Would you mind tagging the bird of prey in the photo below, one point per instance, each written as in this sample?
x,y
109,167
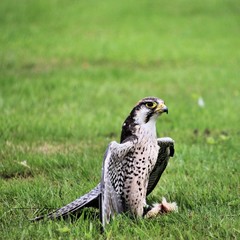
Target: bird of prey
x,y
131,169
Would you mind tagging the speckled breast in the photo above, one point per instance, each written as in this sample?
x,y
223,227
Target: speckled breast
x,y
138,166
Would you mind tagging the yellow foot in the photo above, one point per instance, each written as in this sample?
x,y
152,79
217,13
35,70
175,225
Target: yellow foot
x,y
161,208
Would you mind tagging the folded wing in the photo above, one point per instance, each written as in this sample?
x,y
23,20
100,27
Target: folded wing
x,y
113,180
166,151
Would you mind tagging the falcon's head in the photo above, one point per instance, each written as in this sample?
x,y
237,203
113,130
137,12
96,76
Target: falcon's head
x,y
148,109
145,112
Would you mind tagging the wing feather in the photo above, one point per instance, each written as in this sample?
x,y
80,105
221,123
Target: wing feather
x,y
90,199
166,151
112,180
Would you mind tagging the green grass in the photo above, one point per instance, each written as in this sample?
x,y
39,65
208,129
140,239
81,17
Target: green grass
x,y
70,73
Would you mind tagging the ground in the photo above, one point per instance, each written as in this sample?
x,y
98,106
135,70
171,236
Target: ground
x,y
70,74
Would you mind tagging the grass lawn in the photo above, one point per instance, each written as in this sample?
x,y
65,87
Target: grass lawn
x,y
71,71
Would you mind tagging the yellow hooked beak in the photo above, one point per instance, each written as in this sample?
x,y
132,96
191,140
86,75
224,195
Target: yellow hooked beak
x,y
161,108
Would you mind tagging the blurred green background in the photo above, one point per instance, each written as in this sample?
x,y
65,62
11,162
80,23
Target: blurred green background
x,y
71,71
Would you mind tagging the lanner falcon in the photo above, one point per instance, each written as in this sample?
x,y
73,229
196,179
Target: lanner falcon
x,y
131,169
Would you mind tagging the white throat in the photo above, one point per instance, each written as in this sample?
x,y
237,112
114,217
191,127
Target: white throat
x,y
150,127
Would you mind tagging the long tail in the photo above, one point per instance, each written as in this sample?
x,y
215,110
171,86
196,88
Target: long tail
x,y
90,199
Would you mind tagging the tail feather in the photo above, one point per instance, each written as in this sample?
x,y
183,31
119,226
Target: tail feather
x,y
90,199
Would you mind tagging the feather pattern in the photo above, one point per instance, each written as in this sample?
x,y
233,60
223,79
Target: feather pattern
x,y
113,180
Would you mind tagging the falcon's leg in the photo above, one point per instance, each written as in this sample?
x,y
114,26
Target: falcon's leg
x,y
161,208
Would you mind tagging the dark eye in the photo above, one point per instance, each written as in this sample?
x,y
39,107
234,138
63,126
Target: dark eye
x,y
151,105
